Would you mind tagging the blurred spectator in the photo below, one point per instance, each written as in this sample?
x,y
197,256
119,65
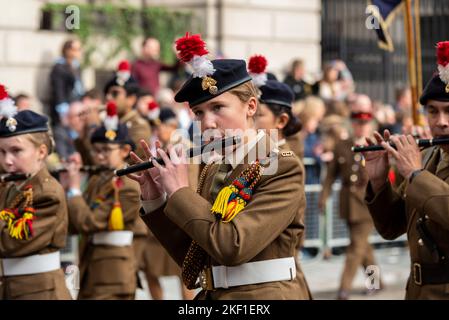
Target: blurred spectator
x,y
22,102
310,117
403,108
344,77
385,116
68,130
65,79
336,83
295,79
92,100
146,69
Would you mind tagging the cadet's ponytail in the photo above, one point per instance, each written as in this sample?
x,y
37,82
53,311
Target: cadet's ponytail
x,y
293,125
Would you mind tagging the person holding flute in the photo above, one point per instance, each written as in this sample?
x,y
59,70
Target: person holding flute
x,y
244,221
106,215
33,209
420,206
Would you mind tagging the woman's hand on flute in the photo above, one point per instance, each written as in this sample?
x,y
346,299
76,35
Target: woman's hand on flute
x,y
376,162
149,180
174,174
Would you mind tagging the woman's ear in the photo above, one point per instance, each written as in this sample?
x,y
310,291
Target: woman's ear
x,y
252,107
42,152
282,121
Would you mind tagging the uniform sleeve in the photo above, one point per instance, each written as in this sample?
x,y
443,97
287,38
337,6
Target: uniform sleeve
x,y
49,210
331,175
275,203
87,220
430,195
387,209
171,236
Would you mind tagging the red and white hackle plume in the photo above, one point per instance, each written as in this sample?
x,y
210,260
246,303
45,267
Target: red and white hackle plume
x,y
153,110
8,109
443,62
192,50
111,120
123,72
256,67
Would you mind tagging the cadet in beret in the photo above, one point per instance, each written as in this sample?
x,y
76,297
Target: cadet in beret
x,y
237,237
105,215
420,206
275,113
33,211
353,210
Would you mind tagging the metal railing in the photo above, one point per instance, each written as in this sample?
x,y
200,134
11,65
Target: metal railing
x,y
329,230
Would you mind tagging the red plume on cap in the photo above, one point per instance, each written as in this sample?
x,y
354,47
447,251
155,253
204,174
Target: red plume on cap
x,y
189,46
443,62
111,109
111,120
8,109
256,67
124,65
257,64
3,92
153,105
153,110
443,53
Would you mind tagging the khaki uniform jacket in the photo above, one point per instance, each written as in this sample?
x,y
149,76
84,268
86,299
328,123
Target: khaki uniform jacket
x,y
105,269
49,235
269,227
296,144
348,166
396,213
138,128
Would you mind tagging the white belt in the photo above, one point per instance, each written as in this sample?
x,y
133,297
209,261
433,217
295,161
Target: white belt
x,y
114,238
254,272
37,263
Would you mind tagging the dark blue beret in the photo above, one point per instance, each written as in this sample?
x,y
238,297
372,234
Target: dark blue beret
x,y
26,121
229,74
130,86
122,136
167,114
434,90
275,92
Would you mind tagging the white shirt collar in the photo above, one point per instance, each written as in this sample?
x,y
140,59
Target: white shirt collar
x,y
281,142
235,158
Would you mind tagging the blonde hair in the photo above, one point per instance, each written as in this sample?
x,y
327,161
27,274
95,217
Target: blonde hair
x,y
245,91
41,138
313,108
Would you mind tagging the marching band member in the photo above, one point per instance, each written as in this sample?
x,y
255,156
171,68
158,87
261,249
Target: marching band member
x,y
238,235
33,212
106,215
